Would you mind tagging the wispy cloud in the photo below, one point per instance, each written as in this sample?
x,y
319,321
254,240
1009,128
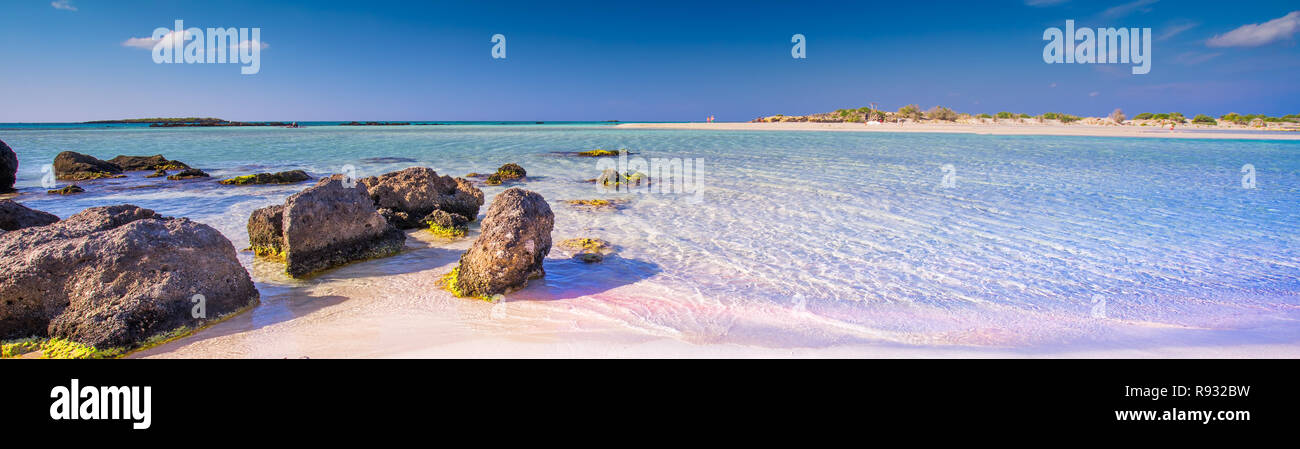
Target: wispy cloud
x,y
1257,34
1116,12
1195,57
1175,29
1094,94
174,40
1042,3
65,5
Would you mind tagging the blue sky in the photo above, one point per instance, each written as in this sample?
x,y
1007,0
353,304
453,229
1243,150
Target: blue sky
x,y
656,61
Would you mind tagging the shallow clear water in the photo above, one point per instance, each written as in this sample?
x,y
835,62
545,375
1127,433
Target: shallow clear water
x,y
814,239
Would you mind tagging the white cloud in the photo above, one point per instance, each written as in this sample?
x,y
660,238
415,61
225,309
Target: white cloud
x,y
1194,58
1116,12
65,5
172,38
1257,34
1175,29
1093,94
176,42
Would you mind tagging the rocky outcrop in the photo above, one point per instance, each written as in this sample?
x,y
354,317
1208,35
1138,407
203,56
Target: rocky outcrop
x,y
73,166
515,239
412,194
112,277
15,216
284,177
327,225
189,173
507,172
266,231
8,168
446,224
146,163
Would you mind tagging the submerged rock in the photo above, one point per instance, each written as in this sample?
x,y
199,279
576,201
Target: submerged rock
x,y
157,174
284,177
113,277
515,239
73,166
15,216
146,163
446,224
414,193
189,173
325,226
70,189
587,250
8,168
597,153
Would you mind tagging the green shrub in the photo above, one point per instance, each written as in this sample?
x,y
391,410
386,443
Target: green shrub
x,y
941,113
1005,114
1144,116
910,111
1204,119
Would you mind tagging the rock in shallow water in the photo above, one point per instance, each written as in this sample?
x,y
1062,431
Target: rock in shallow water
x,y
446,224
112,277
327,225
15,216
73,166
284,177
8,168
71,189
146,163
189,173
515,239
414,193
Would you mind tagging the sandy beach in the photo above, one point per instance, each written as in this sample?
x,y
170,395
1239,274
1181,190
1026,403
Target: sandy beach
x,y
999,129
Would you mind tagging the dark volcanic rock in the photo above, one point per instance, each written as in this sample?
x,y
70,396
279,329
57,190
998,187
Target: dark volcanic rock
x,y
157,174
284,177
112,277
70,189
8,168
15,216
73,166
146,163
516,236
418,191
330,224
189,173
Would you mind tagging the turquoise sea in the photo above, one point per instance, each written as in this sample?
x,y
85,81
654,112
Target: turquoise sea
x,y
799,239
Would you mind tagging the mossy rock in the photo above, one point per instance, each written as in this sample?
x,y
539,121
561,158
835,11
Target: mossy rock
x,y
596,204
511,171
89,176
587,250
597,153
66,190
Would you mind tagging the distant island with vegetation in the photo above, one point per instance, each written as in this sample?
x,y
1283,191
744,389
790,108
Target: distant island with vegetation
x,y
182,122
914,114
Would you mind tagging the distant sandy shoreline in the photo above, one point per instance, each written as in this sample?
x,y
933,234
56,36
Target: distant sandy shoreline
x,y
988,129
